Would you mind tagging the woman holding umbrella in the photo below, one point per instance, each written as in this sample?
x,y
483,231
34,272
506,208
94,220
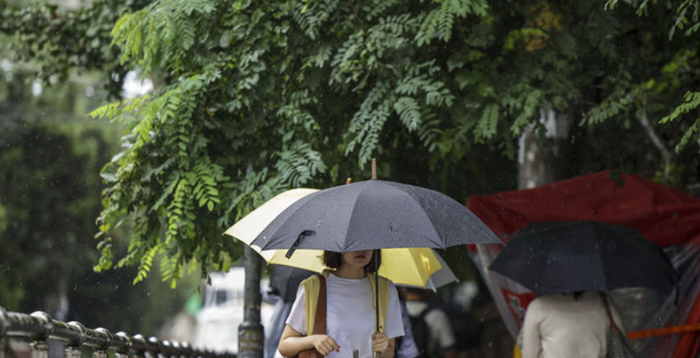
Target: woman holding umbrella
x,y
569,265
358,220
350,312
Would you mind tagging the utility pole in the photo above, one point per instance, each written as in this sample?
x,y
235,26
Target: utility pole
x,y
251,336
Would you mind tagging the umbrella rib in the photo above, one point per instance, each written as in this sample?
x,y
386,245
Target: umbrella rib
x,y
288,212
420,209
665,265
477,225
432,224
352,218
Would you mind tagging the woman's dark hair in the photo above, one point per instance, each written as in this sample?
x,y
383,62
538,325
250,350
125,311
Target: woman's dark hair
x,y
333,260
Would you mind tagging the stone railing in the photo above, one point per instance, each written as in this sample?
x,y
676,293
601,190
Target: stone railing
x,y
39,328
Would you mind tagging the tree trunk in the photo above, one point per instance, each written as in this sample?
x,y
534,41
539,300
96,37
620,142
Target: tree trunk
x,y
544,161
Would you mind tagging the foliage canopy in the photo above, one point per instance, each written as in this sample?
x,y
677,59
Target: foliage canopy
x,y
255,97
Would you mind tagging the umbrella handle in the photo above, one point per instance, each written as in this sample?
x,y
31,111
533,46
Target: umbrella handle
x,y
376,291
376,283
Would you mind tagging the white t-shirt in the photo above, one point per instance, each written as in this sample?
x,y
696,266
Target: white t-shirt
x,y
350,315
440,335
560,326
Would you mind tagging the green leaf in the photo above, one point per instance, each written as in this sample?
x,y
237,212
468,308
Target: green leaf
x,y
488,123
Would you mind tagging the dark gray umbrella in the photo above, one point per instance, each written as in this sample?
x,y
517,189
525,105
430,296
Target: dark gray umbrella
x,y
374,214
557,257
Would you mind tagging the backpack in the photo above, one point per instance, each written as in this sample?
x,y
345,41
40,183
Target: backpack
x,y
465,327
421,332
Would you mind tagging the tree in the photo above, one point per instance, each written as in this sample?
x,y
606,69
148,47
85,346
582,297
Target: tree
x,y
36,157
60,41
50,157
257,96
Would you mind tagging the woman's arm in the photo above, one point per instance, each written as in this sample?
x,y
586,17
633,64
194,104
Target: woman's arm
x,y
292,342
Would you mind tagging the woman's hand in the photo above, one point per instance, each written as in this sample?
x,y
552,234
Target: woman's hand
x,y
324,344
292,342
380,342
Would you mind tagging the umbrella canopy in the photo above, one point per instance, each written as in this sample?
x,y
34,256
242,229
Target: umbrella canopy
x,y
373,214
406,266
285,279
440,278
661,214
556,257
248,228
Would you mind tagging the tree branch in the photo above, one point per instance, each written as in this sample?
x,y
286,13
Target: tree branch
x,y
657,142
362,23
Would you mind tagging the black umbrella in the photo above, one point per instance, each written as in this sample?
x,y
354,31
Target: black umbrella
x,y
557,257
285,280
374,214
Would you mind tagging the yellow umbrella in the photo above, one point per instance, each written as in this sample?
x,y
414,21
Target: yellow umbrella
x,y
408,266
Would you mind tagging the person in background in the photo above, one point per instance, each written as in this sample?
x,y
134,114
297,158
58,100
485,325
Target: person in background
x,y
272,337
406,346
440,341
284,283
567,325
